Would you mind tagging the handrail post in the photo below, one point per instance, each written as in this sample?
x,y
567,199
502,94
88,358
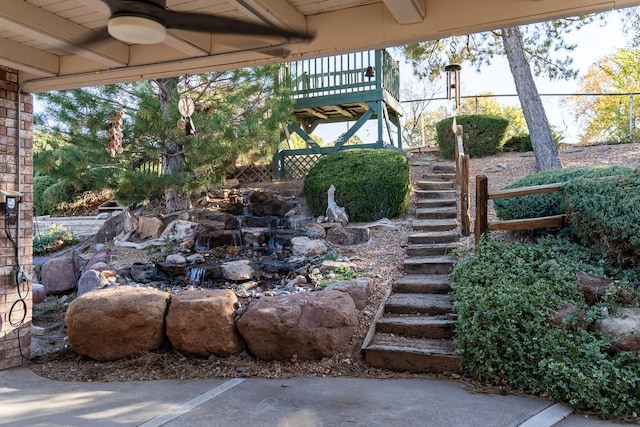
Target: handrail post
x,y
465,213
482,202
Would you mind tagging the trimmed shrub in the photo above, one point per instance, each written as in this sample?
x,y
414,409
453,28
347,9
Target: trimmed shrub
x,y
370,184
483,135
520,143
539,205
606,211
504,294
40,184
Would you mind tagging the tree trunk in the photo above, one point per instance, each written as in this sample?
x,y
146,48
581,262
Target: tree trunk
x,y
544,146
173,157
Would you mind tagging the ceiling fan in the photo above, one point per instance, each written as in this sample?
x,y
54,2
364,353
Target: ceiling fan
x,y
147,21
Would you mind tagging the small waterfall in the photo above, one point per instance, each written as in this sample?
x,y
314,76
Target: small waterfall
x,y
195,275
245,206
237,238
203,243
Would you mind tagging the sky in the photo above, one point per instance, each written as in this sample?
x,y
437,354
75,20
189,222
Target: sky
x,y
594,41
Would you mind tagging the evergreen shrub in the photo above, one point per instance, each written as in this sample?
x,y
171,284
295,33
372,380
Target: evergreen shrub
x,y
483,135
370,184
504,294
539,205
606,211
520,143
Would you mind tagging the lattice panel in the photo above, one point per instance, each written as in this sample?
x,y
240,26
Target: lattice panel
x,y
253,173
297,167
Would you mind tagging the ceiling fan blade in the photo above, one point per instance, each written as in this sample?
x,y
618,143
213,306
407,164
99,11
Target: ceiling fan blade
x,y
94,37
221,25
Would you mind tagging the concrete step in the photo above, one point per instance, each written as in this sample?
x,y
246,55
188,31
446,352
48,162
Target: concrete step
x,y
433,327
412,354
446,224
435,185
422,283
428,237
447,212
435,194
430,249
439,177
436,203
427,304
429,264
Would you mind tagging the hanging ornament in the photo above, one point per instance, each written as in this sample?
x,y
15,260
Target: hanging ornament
x,y
115,133
186,106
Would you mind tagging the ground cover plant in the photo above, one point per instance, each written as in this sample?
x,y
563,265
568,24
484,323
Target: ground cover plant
x,y
370,184
55,238
539,205
504,294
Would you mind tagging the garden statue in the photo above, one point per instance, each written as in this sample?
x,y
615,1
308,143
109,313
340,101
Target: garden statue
x,y
334,212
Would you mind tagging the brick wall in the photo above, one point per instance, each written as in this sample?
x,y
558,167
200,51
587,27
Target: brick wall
x,y
15,304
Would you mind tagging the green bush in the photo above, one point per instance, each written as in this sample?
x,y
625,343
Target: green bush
x,y
40,185
520,143
503,295
55,238
539,205
53,196
482,135
606,211
370,184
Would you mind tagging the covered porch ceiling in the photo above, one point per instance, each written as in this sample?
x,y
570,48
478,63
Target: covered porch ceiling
x,y
39,37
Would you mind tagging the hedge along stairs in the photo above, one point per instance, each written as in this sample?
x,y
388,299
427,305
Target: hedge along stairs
x,y
413,328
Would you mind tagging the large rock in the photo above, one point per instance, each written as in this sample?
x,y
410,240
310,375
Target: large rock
x,y
359,290
622,329
306,247
311,325
119,226
114,323
348,236
238,270
59,275
91,280
149,227
202,323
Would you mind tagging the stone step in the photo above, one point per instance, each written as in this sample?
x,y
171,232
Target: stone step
x,y
436,203
429,264
428,304
447,212
412,354
422,283
435,185
444,168
433,327
439,176
428,237
430,249
446,224
435,194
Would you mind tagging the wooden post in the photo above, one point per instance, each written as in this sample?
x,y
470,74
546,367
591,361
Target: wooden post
x,y
465,212
482,202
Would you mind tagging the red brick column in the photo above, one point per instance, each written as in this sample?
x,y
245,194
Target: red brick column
x,y
15,145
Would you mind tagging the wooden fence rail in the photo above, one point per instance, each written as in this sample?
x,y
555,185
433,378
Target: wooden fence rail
x,y
482,202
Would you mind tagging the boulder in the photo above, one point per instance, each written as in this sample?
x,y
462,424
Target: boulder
x,y
622,329
104,255
145,272
149,227
348,236
91,280
59,275
119,227
310,325
306,247
359,290
176,259
238,270
115,323
595,288
202,323
569,310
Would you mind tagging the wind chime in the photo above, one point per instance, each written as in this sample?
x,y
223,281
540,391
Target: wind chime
x,y
453,79
186,106
115,133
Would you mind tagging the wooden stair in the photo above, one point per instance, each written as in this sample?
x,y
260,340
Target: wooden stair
x,y
415,324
